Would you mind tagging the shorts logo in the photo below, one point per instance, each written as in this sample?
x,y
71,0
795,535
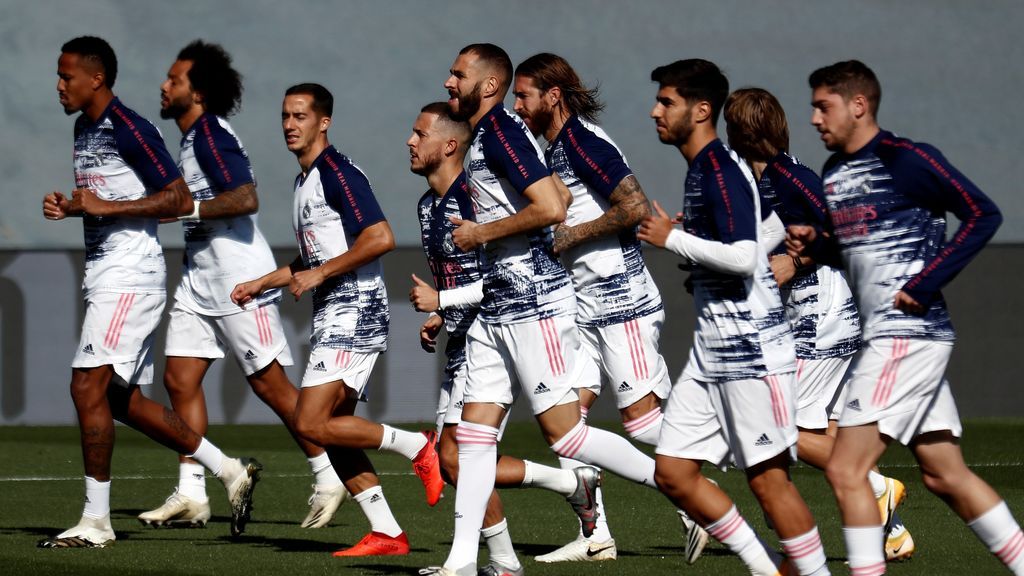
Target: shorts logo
x,y
854,404
625,387
459,404
375,498
250,355
541,389
319,367
198,476
88,350
763,441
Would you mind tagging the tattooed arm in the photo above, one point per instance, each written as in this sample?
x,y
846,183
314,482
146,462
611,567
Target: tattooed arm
x,y
629,207
237,202
174,200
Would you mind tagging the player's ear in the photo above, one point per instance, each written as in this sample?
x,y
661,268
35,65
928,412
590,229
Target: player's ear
x,y
859,105
702,111
325,123
553,95
451,146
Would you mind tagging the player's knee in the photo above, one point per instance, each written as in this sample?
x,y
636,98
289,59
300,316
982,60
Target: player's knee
x,y
947,483
179,386
673,483
310,431
842,476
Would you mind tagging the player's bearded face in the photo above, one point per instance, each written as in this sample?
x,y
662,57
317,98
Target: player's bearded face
x,y
174,107
532,106
74,88
426,146
833,118
468,104
176,96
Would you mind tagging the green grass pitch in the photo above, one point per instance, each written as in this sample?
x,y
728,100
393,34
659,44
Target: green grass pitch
x,y
41,494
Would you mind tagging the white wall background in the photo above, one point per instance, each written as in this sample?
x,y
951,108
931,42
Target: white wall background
x,y
950,73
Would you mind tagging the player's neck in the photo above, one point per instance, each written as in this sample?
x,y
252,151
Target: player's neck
x,y
558,120
486,104
861,136
441,179
697,141
186,120
99,103
758,167
308,156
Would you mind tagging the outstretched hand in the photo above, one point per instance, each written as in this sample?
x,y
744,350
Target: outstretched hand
x,y
423,296
656,227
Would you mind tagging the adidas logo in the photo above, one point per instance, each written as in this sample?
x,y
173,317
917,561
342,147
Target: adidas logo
x,y
763,441
376,498
541,389
250,355
625,387
88,350
854,404
320,367
458,515
198,476
459,404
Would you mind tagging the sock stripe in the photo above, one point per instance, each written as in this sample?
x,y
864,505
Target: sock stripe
x,y
571,443
797,548
1009,553
726,526
873,570
643,422
470,435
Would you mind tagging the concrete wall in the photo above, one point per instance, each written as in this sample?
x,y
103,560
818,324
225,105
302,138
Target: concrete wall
x,y
41,311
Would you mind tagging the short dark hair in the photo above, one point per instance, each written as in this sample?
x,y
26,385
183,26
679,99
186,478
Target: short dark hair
x,y
323,101
212,76
97,51
848,79
461,128
756,124
496,58
695,80
549,70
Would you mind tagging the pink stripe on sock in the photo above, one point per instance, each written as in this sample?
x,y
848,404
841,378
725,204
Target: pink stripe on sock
x,y
804,548
872,570
643,421
1009,553
732,522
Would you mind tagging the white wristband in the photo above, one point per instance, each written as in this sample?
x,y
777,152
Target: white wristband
x,y
195,213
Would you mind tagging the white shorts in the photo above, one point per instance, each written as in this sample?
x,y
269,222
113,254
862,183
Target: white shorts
x,y
453,390
335,364
625,357
118,330
899,383
819,385
541,358
255,337
743,421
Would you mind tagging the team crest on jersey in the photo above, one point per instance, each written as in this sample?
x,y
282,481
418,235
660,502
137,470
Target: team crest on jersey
x,y
448,244
307,210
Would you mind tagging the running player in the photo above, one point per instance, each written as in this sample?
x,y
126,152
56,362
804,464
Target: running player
x,y
223,246
125,181
342,234
528,308
734,401
887,198
436,149
818,301
619,309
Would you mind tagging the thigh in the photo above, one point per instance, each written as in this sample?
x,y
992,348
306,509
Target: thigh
x,y
490,376
690,428
757,417
548,360
630,360
191,335
118,330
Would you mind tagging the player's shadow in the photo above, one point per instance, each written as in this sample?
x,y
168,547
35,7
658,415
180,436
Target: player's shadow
x,y
539,549
295,545
383,569
42,532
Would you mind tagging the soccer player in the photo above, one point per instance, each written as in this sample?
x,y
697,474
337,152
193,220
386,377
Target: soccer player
x,y
818,301
223,246
619,308
887,200
125,182
525,334
437,147
734,401
342,234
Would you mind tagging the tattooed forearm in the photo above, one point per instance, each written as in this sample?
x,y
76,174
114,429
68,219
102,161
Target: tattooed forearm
x,y
237,202
174,200
629,207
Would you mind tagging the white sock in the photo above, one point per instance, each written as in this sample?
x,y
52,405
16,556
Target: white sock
x,y
608,451
478,453
561,481
97,498
734,532
407,444
877,483
1001,533
806,553
601,531
584,412
499,545
646,428
209,456
192,481
865,550
323,472
377,511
